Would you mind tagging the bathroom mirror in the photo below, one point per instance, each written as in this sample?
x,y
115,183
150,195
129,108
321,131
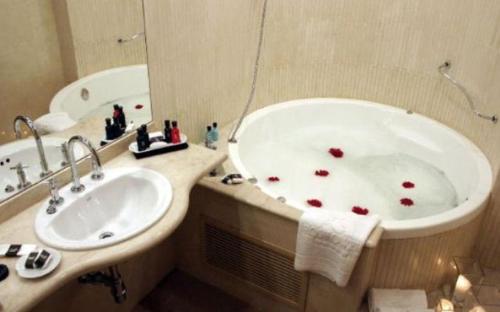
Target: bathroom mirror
x,y
67,65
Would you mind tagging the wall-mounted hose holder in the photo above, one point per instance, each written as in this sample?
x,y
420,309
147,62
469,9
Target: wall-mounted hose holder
x,y
443,70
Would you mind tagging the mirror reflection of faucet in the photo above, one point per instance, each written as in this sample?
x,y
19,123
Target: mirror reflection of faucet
x,y
39,145
21,176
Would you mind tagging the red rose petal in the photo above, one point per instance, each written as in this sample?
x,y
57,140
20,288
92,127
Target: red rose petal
x,y
314,203
360,210
336,152
408,184
139,106
273,179
406,202
322,173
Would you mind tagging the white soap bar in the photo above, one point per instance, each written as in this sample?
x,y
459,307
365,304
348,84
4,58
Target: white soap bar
x,y
24,250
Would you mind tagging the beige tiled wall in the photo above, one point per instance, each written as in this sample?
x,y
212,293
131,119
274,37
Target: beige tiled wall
x,y
30,62
201,54
94,27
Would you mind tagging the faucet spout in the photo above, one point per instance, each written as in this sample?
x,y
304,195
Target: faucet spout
x,y
97,173
39,145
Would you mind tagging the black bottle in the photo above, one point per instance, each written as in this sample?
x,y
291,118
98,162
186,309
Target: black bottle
x,y
109,130
167,132
141,140
146,135
121,118
117,130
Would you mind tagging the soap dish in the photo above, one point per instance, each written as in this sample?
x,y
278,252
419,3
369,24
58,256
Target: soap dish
x,y
158,146
23,272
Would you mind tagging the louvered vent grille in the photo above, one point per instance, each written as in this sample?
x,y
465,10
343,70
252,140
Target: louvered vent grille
x,y
256,264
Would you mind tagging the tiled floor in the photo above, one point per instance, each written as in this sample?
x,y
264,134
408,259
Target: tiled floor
x,y
180,292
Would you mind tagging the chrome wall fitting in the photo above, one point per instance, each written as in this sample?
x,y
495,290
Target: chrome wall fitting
x,y
112,279
131,38
444,70
232,137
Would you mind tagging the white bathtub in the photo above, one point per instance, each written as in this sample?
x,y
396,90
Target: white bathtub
x,y
383,147
127,86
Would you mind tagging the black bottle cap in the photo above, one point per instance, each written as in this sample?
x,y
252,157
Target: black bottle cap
x,y
4,272
167,123
214,124
174,123
144,127
108,121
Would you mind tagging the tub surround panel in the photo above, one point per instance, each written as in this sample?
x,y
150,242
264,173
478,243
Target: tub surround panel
x,y
268,229
424,262
182,168
385,51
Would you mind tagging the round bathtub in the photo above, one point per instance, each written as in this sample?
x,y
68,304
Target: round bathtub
x,y
419,176
95,94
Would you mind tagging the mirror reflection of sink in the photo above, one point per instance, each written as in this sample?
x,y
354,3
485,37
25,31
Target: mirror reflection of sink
x,y
25,152
125,203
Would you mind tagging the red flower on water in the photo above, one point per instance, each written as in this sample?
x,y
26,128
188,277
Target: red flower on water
x,y
139,106
408,184
322,173
315,203
336,152
360,210
406,202
273,179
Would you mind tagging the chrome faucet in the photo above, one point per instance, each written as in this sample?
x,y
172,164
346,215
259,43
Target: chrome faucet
x,y
97,173
17,129
55,198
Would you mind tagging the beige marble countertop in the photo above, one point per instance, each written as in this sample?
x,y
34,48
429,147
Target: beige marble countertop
x,y
183,169
250,194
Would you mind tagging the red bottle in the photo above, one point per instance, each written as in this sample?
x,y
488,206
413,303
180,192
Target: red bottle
x,y
176,133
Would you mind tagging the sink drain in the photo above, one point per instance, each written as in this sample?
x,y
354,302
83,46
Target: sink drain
x,y
105,235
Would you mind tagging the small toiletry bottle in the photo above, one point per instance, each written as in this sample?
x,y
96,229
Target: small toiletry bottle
x,y
121,118
215,132
208,138
167,132
141,140
117,130
146,135
176,134
116,111
109,130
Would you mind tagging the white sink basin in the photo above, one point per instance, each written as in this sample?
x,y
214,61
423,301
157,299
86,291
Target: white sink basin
x,y
125,203
25,151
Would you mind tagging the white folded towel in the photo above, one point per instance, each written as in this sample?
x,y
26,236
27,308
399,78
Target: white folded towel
x,y
53,122
330,242
391,300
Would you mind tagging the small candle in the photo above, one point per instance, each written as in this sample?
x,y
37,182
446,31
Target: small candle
x,y
461,288
444,305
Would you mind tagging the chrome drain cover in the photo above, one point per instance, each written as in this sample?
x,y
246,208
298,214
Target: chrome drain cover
x,y
105,235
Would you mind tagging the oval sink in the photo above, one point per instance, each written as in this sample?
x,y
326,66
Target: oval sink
x,y
125,203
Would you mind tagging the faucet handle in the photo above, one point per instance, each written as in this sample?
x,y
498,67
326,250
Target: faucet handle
x,y
55,198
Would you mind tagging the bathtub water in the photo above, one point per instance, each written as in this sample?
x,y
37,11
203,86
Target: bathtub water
x,y
447,177
127,86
